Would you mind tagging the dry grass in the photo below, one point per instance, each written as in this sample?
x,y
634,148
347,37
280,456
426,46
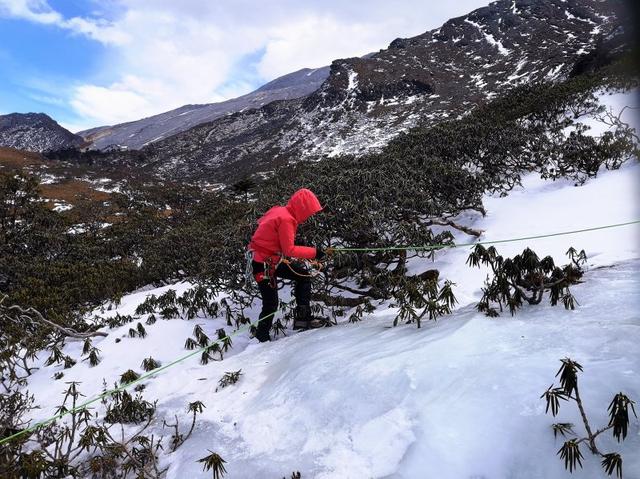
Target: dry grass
x,y
72,191
17,159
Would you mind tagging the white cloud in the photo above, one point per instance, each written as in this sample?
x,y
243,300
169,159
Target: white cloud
x,y
39,11
164,53
98,30
109,105
49,100
314,41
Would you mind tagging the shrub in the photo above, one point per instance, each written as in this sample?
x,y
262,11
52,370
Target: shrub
x,y
214,463
229,378
525,277
149,364
618,421
124,408
128,377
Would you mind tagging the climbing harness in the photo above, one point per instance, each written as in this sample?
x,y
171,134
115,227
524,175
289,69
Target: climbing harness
x,y
270,266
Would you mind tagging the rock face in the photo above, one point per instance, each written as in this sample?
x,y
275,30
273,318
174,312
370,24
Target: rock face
x,y
35,132
137,134
365,102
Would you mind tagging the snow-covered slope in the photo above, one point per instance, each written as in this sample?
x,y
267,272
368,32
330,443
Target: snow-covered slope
x,y
459,398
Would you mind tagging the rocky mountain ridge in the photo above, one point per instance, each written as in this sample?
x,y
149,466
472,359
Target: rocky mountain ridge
x,y
137,134
365,102
35,132
360,104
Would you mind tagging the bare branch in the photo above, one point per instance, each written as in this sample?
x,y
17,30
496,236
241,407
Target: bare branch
x,y
464,229
33,313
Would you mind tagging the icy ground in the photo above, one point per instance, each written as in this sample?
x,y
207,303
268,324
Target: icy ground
x,y
459,398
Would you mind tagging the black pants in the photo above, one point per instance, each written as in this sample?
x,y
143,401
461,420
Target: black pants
x,y
269,294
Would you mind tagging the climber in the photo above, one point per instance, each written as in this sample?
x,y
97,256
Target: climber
x,y
271,246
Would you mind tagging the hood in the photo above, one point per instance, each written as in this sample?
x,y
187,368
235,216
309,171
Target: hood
x,y
303,204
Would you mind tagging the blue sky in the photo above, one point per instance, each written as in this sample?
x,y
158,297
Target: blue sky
x,y
88,63
34,73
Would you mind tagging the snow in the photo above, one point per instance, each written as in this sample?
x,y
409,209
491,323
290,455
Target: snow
x,y
411,99
81,227
353,80
458,398
48,179
515,77
130,302
117,188
106,185
153,140
490,38
624,104
535,208
479,80
554,72
99,181
62,206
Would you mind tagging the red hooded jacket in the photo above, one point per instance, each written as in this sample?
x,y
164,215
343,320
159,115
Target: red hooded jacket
x,y
277,228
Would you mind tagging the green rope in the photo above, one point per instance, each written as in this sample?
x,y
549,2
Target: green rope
x,y
460,245
122,387
238,331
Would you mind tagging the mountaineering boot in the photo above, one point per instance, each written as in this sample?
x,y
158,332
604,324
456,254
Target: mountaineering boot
x,y
303,319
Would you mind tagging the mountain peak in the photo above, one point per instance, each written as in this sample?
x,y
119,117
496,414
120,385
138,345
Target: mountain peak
x,y
140,133
36,132
443,73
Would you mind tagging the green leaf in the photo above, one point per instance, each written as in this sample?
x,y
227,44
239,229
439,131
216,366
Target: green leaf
x,y
568,373
612,462
570,452
619,415
213,462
